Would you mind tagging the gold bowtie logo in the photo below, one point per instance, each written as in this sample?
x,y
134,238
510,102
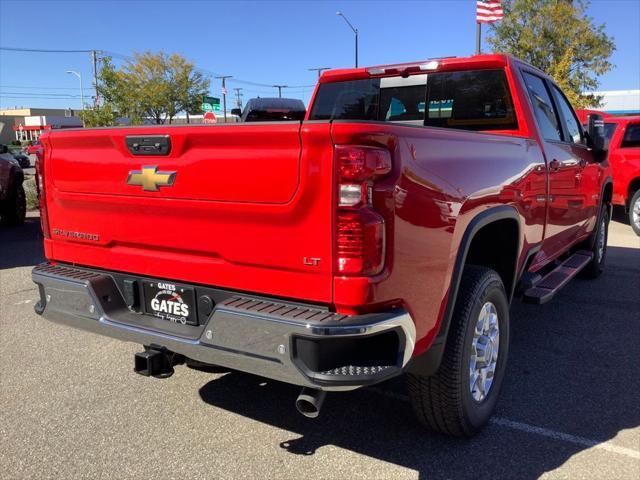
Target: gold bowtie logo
x,y
150,179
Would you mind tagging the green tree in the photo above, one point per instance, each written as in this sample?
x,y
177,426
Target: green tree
x,y
153,86
98,116
559,38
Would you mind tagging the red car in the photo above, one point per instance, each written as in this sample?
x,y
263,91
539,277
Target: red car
x,y
387,233
623,134
34,148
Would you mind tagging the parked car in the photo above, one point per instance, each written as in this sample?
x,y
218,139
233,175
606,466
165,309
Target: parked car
x,y
22,160
13,205
271,109
34,147
623,134
387,233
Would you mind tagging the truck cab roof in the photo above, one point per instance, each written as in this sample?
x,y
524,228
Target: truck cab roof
x,y
423,66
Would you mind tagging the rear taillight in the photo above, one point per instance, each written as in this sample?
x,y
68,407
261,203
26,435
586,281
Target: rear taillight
x,y
360,247
42,201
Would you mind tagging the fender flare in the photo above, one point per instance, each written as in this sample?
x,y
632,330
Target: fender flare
x,y
428,362
592,238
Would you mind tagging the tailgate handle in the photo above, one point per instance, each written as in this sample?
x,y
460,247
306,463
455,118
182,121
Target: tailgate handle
x,y
149,144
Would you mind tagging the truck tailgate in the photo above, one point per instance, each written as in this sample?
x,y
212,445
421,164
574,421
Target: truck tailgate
x,y
245,206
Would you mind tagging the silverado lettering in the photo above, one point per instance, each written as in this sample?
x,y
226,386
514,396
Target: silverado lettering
x,y
435,194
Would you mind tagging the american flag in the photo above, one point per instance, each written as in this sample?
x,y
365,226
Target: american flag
x,y
224,90
489,11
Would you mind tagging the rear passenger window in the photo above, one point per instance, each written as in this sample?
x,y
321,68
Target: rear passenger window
x,y
546,114
631,136
570,120
470,100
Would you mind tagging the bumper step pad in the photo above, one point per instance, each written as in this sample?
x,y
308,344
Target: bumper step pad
x,y
355,371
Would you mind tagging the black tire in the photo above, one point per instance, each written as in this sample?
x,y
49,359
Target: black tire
x,y
14,209
595,268
444,402
633,205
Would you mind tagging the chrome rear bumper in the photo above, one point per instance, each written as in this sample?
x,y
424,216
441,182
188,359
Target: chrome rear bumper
x,y
304,345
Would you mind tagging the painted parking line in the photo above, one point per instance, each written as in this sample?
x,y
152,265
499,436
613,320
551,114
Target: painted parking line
x,y
23,302
532,429
585,442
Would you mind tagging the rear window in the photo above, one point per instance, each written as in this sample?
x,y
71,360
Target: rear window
x,y
631,136
274,114
469,100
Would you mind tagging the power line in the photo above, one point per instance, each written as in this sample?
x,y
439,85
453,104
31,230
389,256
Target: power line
x,y
42,50
319,70
28,97
129,58
41,88
39,94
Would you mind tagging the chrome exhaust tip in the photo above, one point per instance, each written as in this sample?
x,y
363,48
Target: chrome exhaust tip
x,y
309,402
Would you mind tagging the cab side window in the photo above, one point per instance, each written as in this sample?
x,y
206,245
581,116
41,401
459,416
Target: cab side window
x,y
570,120
631,136
545,112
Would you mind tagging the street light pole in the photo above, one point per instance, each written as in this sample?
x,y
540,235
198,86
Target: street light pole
x,y
73,72
355,31
319,70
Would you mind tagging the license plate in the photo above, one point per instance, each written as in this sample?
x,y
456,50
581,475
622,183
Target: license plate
x,y
170,301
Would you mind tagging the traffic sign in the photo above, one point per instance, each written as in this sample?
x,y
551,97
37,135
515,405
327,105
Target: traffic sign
x,y
209,104
209,117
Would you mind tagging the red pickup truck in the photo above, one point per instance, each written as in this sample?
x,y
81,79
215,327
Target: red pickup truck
x,y
386,233
623,134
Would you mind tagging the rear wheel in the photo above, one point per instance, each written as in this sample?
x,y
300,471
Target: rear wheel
x,y
460,398
634,212
14,209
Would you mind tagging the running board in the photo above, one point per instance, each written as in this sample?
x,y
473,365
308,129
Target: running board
x,y
550,284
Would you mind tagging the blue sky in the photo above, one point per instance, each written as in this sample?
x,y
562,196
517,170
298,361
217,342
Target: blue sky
x,y
268,42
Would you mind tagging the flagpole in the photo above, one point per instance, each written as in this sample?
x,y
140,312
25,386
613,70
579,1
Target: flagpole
x,y
478,37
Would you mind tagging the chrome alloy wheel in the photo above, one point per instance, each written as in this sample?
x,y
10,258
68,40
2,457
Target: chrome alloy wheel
x,y
635,213
484,352
602,238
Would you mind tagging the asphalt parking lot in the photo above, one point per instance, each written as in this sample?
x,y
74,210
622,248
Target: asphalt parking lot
x,y
71,406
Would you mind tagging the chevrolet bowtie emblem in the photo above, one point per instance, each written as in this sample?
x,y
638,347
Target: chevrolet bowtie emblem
x,y
150,179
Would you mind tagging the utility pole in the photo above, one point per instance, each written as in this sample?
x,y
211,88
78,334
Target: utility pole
x,y
355,30
224,95
478,37
94,62
319,70
238,97
280,87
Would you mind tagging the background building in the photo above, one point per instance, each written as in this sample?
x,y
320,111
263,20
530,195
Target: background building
x,y
29,123
620,102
